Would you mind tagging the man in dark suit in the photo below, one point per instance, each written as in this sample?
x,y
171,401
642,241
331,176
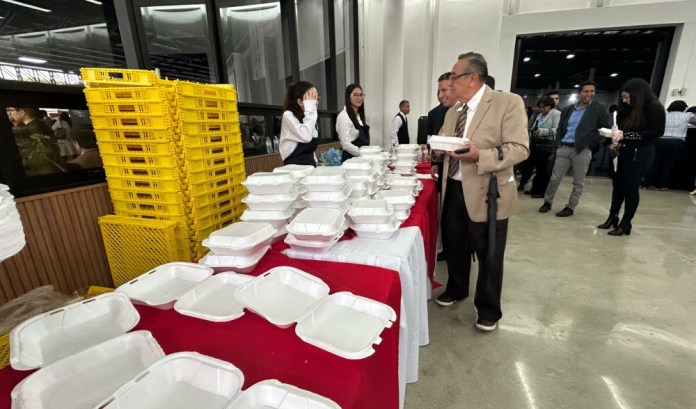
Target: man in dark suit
x,y
473,220
578,133
436,117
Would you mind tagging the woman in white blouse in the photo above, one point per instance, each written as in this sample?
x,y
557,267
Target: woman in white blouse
x,y
298,131
352,130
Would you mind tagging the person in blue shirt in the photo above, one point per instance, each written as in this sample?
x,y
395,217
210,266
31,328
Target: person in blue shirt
x,y
577,134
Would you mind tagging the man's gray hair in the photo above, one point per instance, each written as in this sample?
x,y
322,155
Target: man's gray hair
x,y
477,63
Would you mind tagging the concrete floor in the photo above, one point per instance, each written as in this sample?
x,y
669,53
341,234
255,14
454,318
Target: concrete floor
x,y
589,321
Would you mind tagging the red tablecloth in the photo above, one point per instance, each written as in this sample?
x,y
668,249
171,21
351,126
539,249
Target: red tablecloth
x,y
262,351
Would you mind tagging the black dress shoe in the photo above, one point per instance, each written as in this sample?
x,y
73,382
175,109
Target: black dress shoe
x,y
445,300
567,211
441,256
612,221
527,192
621,230
520,188
545,207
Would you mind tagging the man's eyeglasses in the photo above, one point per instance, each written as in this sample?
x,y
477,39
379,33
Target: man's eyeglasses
x,y
454,76
358,95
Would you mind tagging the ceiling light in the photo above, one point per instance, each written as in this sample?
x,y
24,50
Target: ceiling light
x,y
94,2
526,59
30,6
537,75
32,60
614,74
570,56
576,86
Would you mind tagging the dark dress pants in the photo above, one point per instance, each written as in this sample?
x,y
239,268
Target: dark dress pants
x,y
633,164
461,237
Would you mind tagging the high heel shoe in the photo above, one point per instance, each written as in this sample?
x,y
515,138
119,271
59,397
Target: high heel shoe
x,y
621,230
612,221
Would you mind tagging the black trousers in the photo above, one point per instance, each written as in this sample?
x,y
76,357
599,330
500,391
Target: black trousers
x,y
538,161
667,152
462,237
633,164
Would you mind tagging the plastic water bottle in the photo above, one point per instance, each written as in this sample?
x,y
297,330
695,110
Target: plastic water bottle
x,y
276,144
269,145
419,155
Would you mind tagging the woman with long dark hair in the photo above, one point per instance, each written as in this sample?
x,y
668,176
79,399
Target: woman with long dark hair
x,y
353,131
641,119
298,131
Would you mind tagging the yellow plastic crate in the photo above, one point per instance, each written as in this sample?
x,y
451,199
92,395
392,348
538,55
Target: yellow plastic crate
x,y
134,183
213,185
114,95
214,152
148,208
232,202
137,147
207,175
118,77
199,102
135,246
212,127
133,107
210,91
146,196
143,160
137,135
4,350
198,165
165,173
190,115
198,141
135,122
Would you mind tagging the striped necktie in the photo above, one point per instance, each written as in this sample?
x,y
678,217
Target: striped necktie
x,y
461,124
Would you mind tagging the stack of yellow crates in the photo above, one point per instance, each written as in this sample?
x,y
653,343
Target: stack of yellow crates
x,y
172,151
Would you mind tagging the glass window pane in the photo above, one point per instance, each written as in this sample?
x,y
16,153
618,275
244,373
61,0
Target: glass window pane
x,y
313,44
253,134
345,73
51,46
178,41
252,42
326,129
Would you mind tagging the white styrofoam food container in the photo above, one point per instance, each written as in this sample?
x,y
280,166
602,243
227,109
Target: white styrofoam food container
x,y
272,394
446,143
370,211
240,239
163,285
402,215
312,246
382,231
263,183
346,325
280,201
277,218
53,335
282,295
213,300
405,156
239,264
358,188
315,224
399,199
326,179
370,149
398,182
358,166
327,199
180,380
82,380
413,147
296,171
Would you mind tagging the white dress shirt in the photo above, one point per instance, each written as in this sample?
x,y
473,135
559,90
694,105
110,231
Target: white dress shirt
x,y
347,133
395,125
472,105
292,131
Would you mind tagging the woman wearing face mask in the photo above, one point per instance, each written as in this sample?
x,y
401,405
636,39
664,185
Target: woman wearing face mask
x,y
352,130
298,132
641,119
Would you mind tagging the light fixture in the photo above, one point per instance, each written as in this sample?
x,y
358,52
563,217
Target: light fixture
x,y
614,74
254,7
32,60
29,6
526,59
570,56
537,75
94,2
573,98
576,86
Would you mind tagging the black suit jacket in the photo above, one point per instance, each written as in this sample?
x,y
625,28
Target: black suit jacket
x,y
436,117
587,132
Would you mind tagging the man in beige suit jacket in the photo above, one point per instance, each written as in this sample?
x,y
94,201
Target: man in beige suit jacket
x,y
496,127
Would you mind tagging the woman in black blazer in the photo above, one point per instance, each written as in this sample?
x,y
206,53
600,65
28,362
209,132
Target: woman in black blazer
x,y
641,120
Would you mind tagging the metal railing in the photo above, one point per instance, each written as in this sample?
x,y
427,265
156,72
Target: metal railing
x,y
15,72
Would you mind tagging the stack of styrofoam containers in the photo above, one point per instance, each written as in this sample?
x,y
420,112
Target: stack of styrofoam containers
x,y
381,161
10,225
271,199
362,176
327,188
401,200
405,159
239,246
373,219
316,230
298,172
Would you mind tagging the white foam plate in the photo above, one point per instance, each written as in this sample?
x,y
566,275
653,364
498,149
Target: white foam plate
x,y
277,218
281,201
272,394
358,166
56,334
240,264
261,183
399,199
446,143
382,231
370,211
181,380
82,380
346,325
240,239
282,295
163,285
213,300
327,199
314,224
326,179
312,246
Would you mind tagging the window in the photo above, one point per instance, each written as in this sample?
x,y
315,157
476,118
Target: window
x,y
313,45
345,63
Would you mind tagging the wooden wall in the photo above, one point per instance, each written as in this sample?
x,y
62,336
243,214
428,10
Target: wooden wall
x,y
64,244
